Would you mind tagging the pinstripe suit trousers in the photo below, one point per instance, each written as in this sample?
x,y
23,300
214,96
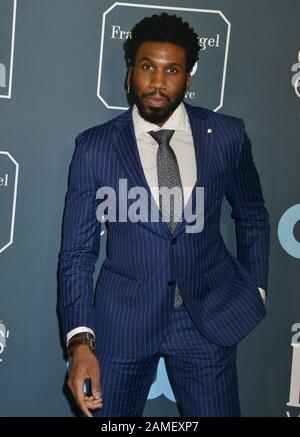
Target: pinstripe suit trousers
x,y
203,375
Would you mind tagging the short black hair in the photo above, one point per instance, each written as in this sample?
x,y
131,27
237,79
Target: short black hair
x,y
163,28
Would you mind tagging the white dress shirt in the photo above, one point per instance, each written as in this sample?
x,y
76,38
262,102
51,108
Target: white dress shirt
x,y
182,144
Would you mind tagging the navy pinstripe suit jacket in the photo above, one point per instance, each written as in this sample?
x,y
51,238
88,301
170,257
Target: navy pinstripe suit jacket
x,y
134,293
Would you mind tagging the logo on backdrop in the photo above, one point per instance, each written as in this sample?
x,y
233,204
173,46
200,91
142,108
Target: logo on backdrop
x,y
286,231
7,43
209,76
296,76
9,170
161,384
294,397
4,334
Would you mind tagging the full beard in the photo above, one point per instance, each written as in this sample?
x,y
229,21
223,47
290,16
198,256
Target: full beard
x,y
153,114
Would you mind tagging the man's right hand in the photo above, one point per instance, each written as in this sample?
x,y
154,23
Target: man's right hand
x,y
85,366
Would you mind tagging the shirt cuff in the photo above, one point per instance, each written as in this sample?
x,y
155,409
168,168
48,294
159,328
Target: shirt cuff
x,y
77,331
262,293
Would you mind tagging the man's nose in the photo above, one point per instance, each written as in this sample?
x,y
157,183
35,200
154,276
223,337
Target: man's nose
x,y
158,80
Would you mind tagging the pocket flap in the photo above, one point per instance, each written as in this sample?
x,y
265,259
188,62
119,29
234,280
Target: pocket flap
x,y
115,281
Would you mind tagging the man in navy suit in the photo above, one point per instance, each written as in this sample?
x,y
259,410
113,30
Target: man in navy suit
x,y
166,288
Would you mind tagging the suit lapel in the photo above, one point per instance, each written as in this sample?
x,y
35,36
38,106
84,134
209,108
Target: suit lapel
x,y
127,149
202,131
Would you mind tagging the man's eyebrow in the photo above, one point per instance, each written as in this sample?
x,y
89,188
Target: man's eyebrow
x,y
151,60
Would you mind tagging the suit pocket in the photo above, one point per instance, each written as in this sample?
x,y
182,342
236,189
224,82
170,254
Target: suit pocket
x,y
230,272
112,281
220,273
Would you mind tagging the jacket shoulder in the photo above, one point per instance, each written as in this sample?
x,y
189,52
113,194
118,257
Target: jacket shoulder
x,y
98,135
101,130
218,118
227,120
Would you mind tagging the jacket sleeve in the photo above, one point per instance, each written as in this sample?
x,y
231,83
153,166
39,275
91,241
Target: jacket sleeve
x,y
81,232
252,226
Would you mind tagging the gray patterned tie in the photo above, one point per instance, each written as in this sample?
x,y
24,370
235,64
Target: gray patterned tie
x,y
168,176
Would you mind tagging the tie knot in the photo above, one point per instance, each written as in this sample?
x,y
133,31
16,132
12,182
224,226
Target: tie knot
x,y
162,136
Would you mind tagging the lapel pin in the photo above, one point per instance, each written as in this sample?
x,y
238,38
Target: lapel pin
x,y
209,131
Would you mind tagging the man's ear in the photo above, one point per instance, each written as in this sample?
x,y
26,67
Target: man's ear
x,y
129,73
188,81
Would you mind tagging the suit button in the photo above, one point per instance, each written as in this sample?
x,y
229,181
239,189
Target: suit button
x,y
174,241
171,283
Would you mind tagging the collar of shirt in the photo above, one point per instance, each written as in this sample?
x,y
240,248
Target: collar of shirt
x,y
178,121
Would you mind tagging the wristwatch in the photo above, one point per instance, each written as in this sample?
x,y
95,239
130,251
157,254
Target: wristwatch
x,y
79,339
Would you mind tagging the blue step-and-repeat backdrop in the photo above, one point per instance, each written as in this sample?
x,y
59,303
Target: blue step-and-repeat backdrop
x,y
62,70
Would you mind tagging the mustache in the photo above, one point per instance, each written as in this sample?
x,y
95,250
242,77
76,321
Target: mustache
x,y
157,95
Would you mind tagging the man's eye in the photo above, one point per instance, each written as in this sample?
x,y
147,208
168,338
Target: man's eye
x,y
172,70
147,66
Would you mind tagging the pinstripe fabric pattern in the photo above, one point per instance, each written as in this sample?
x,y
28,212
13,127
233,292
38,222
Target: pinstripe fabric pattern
x,y
203,375
135,289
